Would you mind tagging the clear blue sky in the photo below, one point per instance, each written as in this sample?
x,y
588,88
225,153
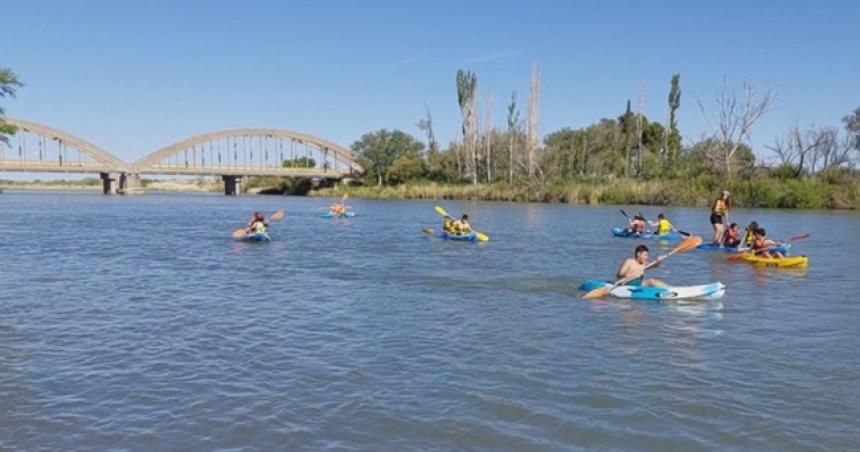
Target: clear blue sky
x,y
136,76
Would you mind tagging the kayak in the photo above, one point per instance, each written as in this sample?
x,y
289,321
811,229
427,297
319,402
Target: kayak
x,y
470,237
713,291
257,237
772,262
621,232
782,248
338,215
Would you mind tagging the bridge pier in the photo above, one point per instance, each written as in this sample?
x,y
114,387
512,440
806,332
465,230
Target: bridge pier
x,y
129,184
108,183
232,185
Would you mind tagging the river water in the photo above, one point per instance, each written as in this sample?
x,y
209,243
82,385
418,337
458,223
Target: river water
x,y
138,323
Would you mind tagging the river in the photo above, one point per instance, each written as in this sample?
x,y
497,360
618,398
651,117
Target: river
x,y
139,323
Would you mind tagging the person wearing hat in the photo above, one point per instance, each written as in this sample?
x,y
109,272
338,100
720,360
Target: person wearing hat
x,y
720,216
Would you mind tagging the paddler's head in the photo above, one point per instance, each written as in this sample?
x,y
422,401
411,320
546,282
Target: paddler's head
x,y
464,218
760,233
661,216
641,254
259,216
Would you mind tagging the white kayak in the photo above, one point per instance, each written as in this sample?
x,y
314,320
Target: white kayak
x,y
713,291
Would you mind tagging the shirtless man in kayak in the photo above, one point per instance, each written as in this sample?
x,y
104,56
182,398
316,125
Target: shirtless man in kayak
x,y
635,266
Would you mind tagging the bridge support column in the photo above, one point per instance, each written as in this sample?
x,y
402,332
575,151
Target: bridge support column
x,y
129,184
232,185
108,183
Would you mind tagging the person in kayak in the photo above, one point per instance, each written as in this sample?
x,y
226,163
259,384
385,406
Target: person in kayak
x,y
257,224
720,216
338,208
749,235
448,224
662,224
462,226
635,266
761,245
637,225
732,236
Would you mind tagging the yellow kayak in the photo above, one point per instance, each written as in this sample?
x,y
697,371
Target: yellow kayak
x,y
785,262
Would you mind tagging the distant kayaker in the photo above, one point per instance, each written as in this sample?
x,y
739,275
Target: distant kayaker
x,y
761,245
448,224
732,236
662,224
637,224
635,266
257,224
720,216
338,208
462,226
749,234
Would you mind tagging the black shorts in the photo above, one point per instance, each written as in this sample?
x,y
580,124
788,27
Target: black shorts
x,y
716,219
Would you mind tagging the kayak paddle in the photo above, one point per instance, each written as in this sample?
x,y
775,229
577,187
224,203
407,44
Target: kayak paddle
x,y
686,245
239,233
427,230
624,213
481,236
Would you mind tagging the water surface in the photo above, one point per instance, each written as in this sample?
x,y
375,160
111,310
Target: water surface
x,y
139,323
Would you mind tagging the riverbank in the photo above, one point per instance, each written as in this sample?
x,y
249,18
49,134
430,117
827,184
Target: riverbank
x,y
699,192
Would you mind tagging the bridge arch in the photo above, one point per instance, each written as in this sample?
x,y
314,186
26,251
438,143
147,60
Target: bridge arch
x,y
40,156
251,152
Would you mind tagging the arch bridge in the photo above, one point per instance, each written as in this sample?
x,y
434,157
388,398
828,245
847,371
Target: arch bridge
x,y
230,154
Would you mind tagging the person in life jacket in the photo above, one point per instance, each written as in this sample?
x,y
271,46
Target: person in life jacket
x,y
338,208
749,234
732,236
662,224
462,226
448,224
257,224
761,245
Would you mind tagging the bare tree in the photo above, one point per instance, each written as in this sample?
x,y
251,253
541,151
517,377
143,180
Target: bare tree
x,y
814,150
489,136
425,124
513,121
532,137
737,113
467,85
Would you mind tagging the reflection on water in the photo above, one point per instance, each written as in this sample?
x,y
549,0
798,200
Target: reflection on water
x,y
128,326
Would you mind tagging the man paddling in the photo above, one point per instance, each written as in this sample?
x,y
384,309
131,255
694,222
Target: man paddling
x,y
635,266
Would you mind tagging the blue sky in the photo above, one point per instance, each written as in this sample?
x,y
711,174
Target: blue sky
x,y
133,77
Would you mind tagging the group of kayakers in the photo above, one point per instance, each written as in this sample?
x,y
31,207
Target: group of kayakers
x,y
454,226
752,239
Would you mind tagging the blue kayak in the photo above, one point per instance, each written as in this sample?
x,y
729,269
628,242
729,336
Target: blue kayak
x,y
470,237
257,237
635,291
782,248
621,232
338,215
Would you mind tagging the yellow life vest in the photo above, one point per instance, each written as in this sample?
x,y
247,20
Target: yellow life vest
x,y
663,227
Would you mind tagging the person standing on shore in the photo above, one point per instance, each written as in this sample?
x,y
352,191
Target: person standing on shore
x,y
720,216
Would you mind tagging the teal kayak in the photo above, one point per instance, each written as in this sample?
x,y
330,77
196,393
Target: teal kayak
x,y
621,232
635,291
257,237
338,215
470,237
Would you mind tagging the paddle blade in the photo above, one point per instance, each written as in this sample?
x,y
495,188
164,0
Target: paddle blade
x,y
481,236
600,292
441,211
427,230
277,215
735,257
799,237
346,195
624,213
239,233
684,233
687,244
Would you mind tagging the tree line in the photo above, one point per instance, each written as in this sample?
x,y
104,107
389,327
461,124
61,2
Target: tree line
x,y
629,145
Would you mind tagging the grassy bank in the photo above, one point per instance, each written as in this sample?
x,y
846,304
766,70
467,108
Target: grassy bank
x,y
760,192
